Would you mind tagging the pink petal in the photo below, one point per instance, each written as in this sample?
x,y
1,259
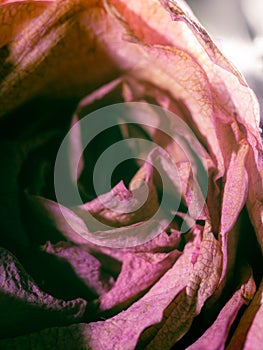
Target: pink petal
x,y
248,334
139,272
25,307
216,335
88,268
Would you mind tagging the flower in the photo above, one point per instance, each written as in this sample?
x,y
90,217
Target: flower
x,y
63,261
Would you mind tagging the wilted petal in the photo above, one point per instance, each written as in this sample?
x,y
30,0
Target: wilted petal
x,y
16,15
139,272
155,54
235,191
25,307
124,329
241,333
254,336
216,335
120,206
86,266
36,55
255,195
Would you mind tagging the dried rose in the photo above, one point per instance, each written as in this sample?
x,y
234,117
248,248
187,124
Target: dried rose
x,y
181,287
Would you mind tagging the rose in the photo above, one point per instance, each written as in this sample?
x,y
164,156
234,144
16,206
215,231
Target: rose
x,y
174,283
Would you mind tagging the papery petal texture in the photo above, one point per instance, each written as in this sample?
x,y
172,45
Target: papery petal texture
x,y
193,281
